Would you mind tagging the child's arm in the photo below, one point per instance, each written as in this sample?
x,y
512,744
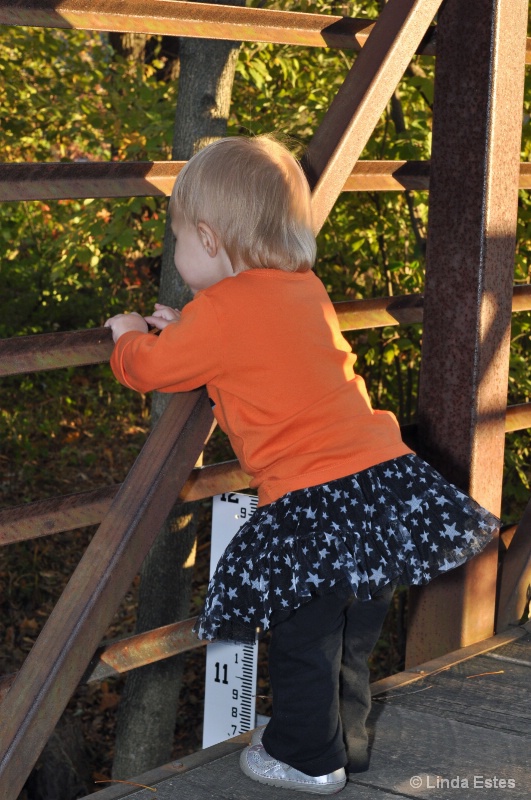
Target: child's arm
x,y
123,323
185,355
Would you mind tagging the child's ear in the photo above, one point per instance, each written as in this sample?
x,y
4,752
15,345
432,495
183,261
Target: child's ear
x,y
208,238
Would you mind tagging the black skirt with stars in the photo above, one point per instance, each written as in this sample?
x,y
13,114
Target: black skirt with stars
x,y
398,522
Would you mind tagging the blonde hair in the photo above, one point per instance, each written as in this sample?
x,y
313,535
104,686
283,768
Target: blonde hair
x,y
255,197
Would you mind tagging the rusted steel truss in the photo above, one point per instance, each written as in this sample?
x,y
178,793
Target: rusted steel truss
x,y
88,508
60,181
63,180
55,350
362,98
46,351
78,622
199,20
131,652
477,129
143,648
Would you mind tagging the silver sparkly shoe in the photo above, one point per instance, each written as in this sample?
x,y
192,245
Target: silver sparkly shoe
x,y
258,765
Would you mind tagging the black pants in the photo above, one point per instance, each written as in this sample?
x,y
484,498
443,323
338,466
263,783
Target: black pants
x,y
320,683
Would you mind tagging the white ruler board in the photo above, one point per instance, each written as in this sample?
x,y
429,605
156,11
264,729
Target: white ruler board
x,y
230,682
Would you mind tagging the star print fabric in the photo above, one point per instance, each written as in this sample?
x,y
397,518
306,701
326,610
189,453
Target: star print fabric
x,y
398,522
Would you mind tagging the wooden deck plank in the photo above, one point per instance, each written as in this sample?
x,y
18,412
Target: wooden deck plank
x,y
231,784
410,745
417,673
519,651
213,773
442,735
468,693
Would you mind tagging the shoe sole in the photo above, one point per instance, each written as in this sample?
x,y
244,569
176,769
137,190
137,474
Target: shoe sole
x,y
325,788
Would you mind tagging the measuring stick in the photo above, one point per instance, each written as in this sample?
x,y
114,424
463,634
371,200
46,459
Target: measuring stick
x,y
230,680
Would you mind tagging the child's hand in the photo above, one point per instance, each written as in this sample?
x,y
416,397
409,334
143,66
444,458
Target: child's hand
x,y
163,316
123,323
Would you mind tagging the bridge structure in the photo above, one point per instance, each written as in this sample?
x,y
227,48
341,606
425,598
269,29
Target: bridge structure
x,y
473,178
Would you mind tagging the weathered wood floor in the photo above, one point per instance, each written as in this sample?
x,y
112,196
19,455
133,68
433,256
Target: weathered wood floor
x,y
457,727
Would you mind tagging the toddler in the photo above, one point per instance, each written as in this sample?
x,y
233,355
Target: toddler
x,y
346,510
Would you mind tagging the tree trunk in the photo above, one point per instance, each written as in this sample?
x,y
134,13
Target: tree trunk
x,y
129,45
148,709
147,47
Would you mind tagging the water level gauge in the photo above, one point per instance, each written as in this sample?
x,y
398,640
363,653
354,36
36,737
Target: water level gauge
x,y
230,683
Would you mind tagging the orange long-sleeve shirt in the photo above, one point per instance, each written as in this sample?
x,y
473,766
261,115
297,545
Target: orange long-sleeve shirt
x,y
267,344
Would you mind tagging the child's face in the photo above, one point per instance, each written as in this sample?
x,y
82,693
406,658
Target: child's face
x,y
199,258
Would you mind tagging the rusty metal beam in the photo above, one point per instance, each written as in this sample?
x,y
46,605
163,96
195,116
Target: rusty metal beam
x,y
132,652
200,20
362,98
404,309
21,354
61,180
477,128
79,510
521,298
78,622
44,351
143,648
394,176
377,312
518,418
64,180
388,176
56,514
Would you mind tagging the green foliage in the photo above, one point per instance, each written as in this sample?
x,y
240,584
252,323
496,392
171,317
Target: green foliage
x,y
65,96
69,264
77,416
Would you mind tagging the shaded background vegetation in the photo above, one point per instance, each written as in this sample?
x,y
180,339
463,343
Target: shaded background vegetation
x,y
69,264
